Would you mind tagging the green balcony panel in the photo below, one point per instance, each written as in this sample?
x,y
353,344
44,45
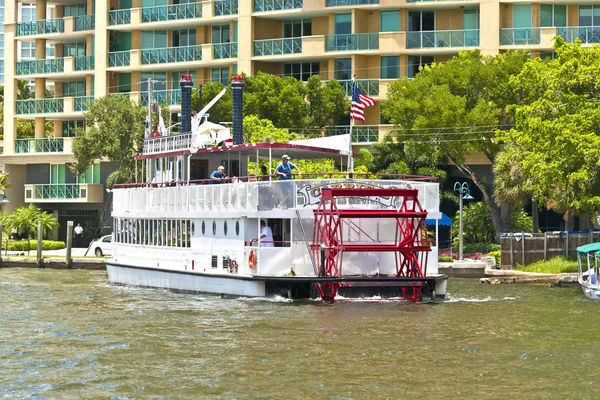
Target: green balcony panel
x,y
46,145
519,36
442,39
337,3
119,17
276,5
225,50
226,7
170,97
274,47
352,42
360,134
172,55
84,63
370,87
587,34
172,12
41,106
57,191
85,23
81,103
33,67
42,27
119,58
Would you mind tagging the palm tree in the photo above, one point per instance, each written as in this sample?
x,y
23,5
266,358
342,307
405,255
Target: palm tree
x,y
25,220
24,90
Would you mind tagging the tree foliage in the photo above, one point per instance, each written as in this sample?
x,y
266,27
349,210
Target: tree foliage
x,y
257,130
221,111
115,130
25,221
552,153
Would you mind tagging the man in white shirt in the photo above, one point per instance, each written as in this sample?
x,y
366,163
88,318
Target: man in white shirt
x,y
78,232
266,235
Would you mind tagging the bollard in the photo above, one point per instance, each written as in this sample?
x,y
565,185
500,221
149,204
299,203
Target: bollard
x,y
69,243
40,236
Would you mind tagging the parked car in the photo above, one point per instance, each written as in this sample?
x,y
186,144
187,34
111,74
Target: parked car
x,y
103,246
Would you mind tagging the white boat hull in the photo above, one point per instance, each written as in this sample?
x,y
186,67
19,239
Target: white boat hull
x,y
591,291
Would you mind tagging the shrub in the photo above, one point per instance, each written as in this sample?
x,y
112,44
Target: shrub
x,y
21,245
556,265
479,247
496,255
445,259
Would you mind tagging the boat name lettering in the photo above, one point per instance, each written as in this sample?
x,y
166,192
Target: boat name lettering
x,y
312,194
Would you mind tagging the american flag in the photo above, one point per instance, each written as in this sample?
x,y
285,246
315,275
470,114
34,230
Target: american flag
x,y
359,102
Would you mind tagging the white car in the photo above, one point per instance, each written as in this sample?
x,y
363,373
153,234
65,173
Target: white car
x,y
103,246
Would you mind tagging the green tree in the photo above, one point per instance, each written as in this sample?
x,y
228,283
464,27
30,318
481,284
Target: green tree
x,y
25,220
454,109
115,130
552,153
221,111
257,130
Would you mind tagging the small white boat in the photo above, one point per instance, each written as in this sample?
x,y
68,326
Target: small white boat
x,y
587,260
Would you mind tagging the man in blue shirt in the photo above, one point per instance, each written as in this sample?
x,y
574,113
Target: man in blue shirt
x,y
284,170
218,176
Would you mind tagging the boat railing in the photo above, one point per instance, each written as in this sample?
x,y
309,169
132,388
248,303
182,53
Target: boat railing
x,y
198,197
167,143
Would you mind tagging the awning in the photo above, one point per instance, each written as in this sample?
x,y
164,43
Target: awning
x,y
444,221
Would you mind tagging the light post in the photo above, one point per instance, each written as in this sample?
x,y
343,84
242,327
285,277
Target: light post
x,y
464,193
4,199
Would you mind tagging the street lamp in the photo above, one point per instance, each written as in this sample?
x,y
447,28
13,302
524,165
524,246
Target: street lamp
x,y
464,193
4,199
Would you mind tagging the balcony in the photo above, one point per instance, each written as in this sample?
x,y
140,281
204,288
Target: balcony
x,y
172,12
442,39
277,47
519,36
225,50
41,67
84,63
85,23
119,58
276,5
45,145
64,192
119,17
352,42
339,3
226,7
81,103
170,97
172,55
370,87
587,34
42,27
41,106
360,134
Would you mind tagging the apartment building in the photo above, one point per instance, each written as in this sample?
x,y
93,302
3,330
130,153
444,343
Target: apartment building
x,y
114,46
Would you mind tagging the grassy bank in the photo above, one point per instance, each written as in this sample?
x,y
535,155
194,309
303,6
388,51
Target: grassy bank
x,y
556,265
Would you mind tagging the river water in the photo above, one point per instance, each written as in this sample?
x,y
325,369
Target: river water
x,y
68,334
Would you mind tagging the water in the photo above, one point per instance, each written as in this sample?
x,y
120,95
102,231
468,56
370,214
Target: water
x,y
67,334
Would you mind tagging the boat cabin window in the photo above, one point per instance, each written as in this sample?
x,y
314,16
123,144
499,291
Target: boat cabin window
x,y
281,231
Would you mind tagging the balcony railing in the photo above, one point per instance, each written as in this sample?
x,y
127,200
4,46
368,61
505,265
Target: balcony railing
x,y
170,97
360,134
85,22
172,12
41,106
336,3
172,55
119,58
46,145
81,103
45,66
352,42
56,191
42,27
587,34
119,17
226,7
274,47
441,39
276,5
168,143
84,63
370,87
519,36
225,50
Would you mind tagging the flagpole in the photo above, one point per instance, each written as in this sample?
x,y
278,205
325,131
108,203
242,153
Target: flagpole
x,y
350,164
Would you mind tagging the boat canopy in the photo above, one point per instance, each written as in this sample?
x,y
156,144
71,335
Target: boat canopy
x,y
588,248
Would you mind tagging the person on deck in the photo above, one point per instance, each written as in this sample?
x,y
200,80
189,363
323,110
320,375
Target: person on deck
x,y
218,176
284,170
266,235
78,233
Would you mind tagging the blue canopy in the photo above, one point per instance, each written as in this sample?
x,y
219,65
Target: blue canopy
x,y
444,221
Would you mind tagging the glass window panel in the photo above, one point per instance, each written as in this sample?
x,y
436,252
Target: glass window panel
x,y
343,68
470,19
546,15
390,67
414,21
287,29
343,24
297,28
390,21
560,15
596,20
585,15
307,27
522,16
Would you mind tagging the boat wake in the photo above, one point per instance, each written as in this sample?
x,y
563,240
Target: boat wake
x,y
452,299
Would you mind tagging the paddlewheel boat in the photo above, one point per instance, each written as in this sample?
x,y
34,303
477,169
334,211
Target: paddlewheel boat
x,y
338,235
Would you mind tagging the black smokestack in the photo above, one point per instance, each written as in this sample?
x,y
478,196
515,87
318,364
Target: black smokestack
x,y
237,89
186,102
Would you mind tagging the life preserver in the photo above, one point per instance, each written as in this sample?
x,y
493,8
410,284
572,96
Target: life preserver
x,y
252,259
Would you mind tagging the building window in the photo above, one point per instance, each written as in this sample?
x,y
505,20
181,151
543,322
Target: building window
x,y
522,16
154,40
343,24
390,67
220,34
160,81
342,69
390,21
297,28
74,89
553,15
551,55
589,15
421,21
69,128
220,75
74,11
415,62
185,37
302,71
27,50
73,49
